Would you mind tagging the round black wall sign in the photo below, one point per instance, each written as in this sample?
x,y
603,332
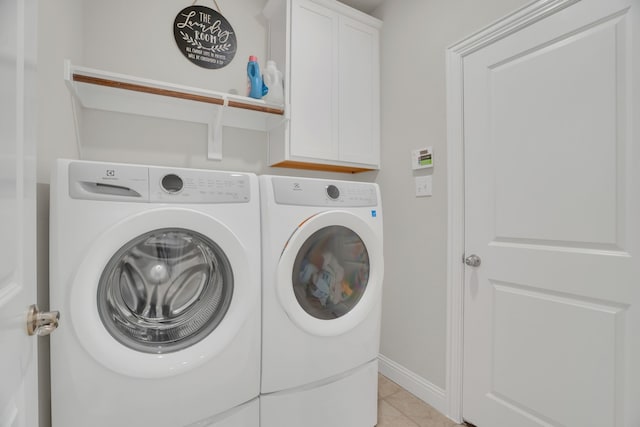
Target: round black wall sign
x,y
204,37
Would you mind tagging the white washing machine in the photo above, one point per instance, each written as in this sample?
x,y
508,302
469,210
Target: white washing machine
x,y
156,272
322,283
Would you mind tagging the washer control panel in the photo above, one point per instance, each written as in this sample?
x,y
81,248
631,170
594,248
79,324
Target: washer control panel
x,y
197,186
134,183
312,192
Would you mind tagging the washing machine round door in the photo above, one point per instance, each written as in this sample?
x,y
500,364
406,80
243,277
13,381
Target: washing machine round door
x,y
330,273
162,292
165,290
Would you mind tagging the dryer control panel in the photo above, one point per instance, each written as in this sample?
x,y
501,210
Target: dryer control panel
x,y
312,192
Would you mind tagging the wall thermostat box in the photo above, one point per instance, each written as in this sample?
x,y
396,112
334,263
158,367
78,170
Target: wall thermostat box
x,y
422,158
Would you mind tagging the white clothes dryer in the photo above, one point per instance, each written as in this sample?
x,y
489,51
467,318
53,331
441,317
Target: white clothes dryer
x,y
322,283
156,272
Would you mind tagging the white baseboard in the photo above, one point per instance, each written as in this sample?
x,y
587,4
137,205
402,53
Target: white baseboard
x,y
413,383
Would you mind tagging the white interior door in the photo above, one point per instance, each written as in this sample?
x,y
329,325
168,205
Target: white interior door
x,y
552,209
18,351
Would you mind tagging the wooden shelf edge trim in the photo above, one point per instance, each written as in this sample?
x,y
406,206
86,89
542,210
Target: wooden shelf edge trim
x,y
173,94
145,89
320,167
264,109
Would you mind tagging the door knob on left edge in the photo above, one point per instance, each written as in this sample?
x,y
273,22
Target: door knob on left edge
x,y
473,260
41,323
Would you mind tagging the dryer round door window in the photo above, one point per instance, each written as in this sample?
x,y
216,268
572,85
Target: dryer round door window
x,y
165,290
331,272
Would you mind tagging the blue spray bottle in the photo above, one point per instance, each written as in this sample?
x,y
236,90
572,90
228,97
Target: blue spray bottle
x,y
256,87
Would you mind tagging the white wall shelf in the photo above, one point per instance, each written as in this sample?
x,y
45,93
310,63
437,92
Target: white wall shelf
x,y
102,90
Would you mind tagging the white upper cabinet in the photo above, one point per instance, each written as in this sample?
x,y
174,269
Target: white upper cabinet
x,y
314,82
330,57
359,93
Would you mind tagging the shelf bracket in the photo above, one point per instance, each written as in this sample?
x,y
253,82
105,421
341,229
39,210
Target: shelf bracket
x,y
215,132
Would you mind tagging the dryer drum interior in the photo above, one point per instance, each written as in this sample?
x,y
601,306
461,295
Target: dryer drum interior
x,y
331,272
165,290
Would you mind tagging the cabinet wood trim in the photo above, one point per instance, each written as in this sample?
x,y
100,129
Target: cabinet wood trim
x,y
320,167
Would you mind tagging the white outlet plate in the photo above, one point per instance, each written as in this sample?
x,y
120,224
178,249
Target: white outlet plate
x,y
424,186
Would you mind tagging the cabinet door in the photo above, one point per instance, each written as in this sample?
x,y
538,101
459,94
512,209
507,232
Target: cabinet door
x,y
314,82
359,129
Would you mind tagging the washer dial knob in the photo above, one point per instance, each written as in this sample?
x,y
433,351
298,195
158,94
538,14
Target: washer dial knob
x,y
172,183
333,192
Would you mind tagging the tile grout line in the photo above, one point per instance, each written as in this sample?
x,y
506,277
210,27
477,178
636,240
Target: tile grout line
x,y
404,416
400,410
400,389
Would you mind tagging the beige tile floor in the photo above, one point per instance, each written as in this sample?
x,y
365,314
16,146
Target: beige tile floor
x,y
399,408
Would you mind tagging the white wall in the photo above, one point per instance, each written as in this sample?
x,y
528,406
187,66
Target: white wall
x,y
60,27
415,36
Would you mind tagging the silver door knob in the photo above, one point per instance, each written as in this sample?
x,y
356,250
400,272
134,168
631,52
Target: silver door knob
x,y
41,323
473,260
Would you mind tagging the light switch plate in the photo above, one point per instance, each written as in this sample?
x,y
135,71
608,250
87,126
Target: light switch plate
x,y
424,185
